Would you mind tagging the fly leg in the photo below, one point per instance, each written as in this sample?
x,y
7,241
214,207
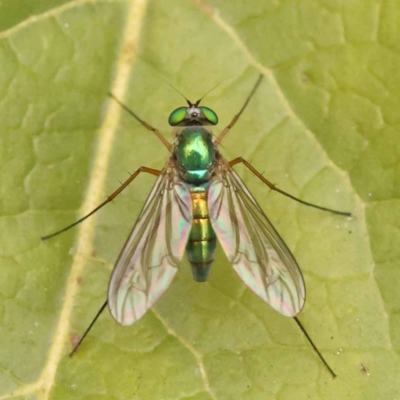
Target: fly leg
x,y
109,198
300,325
236,117
144,123
88,328
273,187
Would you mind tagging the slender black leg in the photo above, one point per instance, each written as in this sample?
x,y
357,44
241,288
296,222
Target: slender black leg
x,y
300,325
273,187
237,116
88,328
144,123
109,198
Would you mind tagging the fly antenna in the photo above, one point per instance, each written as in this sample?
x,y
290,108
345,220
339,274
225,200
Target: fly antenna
x,y
214,87
176,90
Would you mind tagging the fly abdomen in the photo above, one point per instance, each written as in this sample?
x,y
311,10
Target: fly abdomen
x,y
202,241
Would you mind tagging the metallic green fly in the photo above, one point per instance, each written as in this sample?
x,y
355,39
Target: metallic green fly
x,y
197,199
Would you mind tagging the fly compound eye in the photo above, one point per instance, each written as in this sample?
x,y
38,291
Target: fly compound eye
x,y
210,115
177,116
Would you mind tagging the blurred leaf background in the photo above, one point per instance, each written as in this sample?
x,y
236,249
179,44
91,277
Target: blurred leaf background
x,y
324,126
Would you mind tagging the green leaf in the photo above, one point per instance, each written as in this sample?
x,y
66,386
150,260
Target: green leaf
x,y
324,126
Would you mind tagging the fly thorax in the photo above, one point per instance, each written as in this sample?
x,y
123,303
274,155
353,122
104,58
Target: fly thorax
x,y
195,154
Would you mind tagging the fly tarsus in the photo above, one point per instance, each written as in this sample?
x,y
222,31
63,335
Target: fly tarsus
x,y
109,198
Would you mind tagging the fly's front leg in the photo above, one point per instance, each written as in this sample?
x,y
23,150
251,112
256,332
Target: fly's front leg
x,y
237,116
109,198
144,123
239,160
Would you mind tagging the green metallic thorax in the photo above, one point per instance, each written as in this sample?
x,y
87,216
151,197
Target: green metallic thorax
x,y
195,155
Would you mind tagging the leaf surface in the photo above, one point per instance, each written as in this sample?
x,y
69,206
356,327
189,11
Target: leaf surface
x,y
324,126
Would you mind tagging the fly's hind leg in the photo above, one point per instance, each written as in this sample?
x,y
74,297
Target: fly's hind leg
x,y
88,328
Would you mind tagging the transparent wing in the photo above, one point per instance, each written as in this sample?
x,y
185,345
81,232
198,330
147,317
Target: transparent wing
x,y
251,243
149,258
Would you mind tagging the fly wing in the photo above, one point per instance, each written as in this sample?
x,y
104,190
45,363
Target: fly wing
x,y
251,243
149,258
